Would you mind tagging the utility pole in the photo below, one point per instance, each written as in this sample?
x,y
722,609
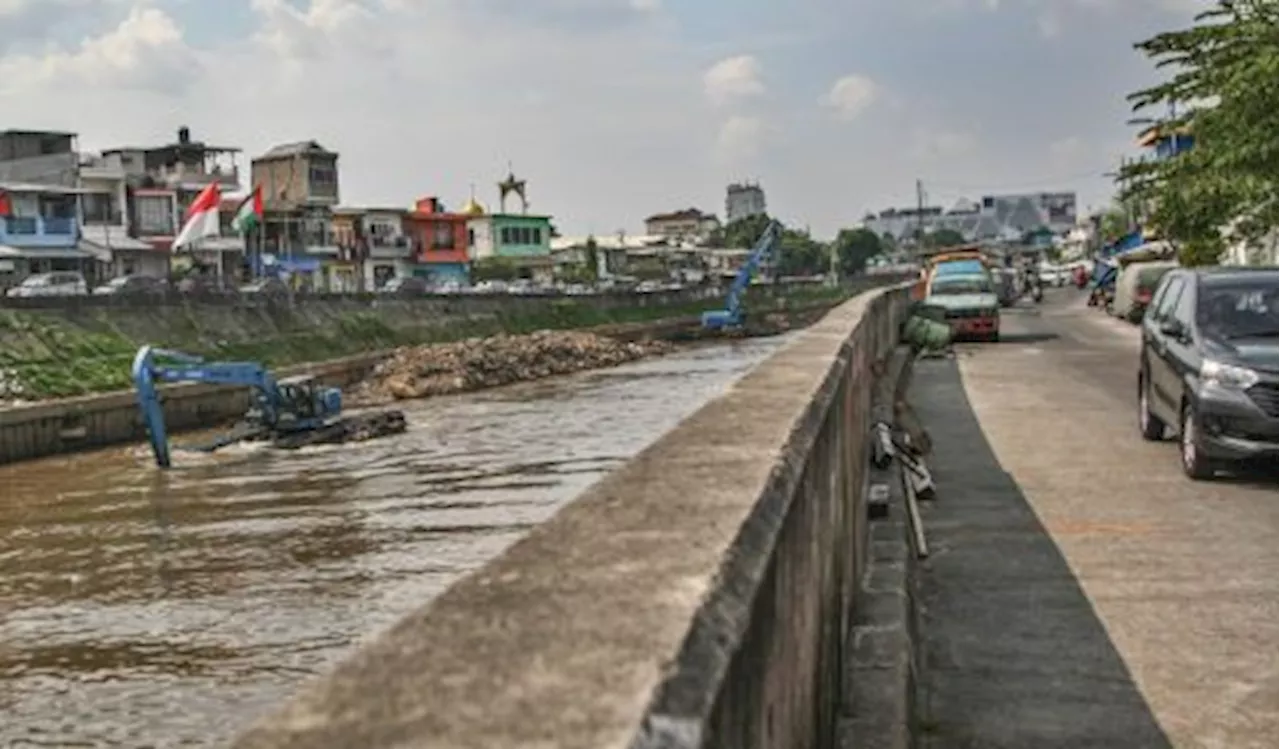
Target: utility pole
x,y
919,212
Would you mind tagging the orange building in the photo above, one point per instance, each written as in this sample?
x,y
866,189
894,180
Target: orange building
x,y
439,240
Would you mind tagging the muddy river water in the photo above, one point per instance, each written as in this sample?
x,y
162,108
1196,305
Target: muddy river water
x,y
149,609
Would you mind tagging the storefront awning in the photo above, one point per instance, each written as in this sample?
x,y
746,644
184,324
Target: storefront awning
x,y
44,253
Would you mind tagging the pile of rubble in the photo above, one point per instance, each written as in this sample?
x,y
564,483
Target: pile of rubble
x,y
421,371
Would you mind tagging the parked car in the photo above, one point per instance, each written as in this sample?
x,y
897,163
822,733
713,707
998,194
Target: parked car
x,y
1208,366
132,286
971,304
405,286
58,283
1135,285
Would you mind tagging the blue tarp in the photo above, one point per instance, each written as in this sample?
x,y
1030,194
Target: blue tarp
x,y
959,267
1128,242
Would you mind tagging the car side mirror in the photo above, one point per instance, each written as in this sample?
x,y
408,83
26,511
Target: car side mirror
x,y
1172,328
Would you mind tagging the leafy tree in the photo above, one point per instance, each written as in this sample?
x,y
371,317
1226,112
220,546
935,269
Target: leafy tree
x,y
855,247
591,256
1225,75
800,255
943,238
740,234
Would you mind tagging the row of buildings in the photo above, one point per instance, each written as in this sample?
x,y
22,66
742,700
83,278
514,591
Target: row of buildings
x,y
117,212
991,218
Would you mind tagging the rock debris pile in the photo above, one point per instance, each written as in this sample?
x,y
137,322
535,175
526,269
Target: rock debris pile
x,y
421,371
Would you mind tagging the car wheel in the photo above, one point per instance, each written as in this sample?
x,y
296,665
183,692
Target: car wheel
x,y
1194,462
1152,427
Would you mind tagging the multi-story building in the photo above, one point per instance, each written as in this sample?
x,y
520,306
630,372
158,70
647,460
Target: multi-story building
x,y
39,233
161,182
41,157
689,224
42,173
299,183
743,200
520,238
439,238
105,224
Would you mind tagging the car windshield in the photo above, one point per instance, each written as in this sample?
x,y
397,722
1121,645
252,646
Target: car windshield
x,y
969,285
1239,309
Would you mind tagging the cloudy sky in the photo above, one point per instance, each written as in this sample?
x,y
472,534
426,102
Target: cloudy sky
x,y
612,109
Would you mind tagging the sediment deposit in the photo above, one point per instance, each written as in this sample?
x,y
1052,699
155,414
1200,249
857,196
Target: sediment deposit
x,y
472,364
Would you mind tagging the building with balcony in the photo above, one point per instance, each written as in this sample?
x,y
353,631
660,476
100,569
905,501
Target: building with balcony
x,y
158,183
105,223
299,183
40,233
439,238
689,224
372,247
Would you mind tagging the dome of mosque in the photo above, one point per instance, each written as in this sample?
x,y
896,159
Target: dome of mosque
x,y
473,208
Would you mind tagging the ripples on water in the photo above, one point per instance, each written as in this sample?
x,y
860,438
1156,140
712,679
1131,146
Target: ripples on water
x,y
148,608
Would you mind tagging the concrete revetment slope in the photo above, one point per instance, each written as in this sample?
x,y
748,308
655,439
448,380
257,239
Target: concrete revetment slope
x,y
700,596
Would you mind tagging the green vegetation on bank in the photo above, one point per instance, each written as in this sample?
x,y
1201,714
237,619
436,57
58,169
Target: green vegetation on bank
x,y
46,355
1222,92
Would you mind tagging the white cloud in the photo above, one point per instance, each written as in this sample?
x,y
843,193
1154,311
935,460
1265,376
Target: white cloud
x,y
740,141
733,78
850,96
145,51
600,104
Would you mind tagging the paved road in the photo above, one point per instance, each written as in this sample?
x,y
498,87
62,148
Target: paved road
x,y
1081,591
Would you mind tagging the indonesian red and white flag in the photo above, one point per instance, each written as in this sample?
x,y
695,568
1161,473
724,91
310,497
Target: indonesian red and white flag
x,y
202,217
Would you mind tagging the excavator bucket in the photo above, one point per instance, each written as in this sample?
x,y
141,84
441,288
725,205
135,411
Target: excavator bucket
x,y
149,405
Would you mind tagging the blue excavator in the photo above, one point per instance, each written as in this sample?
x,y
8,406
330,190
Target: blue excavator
x,y
289,413
731,316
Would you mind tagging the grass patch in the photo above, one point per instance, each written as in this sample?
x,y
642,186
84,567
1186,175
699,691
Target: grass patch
x,y
44,356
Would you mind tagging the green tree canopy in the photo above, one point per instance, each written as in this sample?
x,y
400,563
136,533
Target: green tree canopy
x,y
740,234
800,255
1224,75
943,238
855,247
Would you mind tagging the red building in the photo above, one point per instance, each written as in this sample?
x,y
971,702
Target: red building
x,y
439,240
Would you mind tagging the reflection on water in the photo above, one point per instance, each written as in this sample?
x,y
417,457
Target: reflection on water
x,y
148,608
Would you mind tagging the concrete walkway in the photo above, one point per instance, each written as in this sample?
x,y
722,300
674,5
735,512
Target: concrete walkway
x,y
1081,591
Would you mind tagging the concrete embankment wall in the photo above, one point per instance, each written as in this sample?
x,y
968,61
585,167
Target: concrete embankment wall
x,y
700,596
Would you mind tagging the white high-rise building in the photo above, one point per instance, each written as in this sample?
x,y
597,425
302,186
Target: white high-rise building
x,y
743,200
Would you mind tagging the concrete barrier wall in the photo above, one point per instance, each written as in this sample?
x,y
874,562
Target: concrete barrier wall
x,y
699,596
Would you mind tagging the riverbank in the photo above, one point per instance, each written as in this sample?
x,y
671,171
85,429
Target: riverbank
x,y
82,349
86,422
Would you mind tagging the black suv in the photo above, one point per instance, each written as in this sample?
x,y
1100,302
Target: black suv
x,y
1209,364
